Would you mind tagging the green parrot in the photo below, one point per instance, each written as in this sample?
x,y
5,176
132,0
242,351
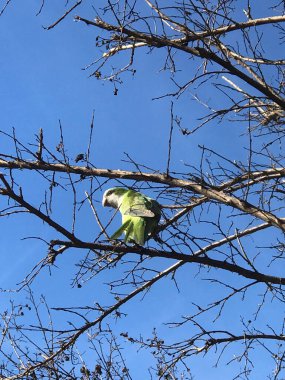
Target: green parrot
x,y
140,214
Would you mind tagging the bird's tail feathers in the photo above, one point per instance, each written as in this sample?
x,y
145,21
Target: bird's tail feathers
x,y
129,231
122,229
134,231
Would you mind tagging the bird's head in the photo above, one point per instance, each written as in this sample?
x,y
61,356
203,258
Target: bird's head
x,y
111,197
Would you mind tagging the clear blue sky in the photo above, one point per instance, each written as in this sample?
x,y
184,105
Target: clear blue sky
x,y
41,81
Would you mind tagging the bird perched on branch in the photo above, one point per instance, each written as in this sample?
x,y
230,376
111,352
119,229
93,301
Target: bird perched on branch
x,y
140,214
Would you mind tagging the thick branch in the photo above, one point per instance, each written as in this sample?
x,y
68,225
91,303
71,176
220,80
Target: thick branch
x,y
210,192
183,258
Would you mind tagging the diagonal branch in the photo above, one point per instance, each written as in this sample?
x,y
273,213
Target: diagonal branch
x,y
9,192
63,16
198,257
181,44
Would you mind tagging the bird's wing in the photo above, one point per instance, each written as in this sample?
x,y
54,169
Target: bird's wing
x,y
138,211
136,204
